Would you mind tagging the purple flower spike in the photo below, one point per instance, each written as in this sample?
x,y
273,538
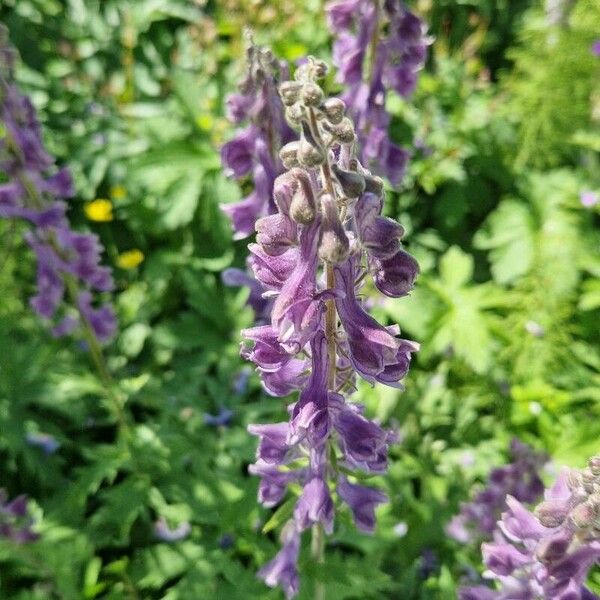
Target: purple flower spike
x,y
371,62
546,554
308,258
35,192
518,481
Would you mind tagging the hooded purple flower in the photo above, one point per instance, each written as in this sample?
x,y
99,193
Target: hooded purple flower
x,y
307,257
15,524
362,502
282,569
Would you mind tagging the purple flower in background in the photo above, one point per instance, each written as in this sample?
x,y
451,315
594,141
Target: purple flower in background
x,y
596,48
311,257
520,479
589,198
546,554
370,63
48,443
253,152
163,532
68,262
221,419
15,522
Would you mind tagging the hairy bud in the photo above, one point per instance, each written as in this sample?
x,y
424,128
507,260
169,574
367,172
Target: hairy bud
x,y
289,155
594,465
353,184
295,115
303,206
309,152
342,132
334,244
583,515
312,94
289,91
334,110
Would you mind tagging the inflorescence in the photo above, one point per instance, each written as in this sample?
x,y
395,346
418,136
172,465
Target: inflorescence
x,y
520,479
68,262
15,522
546,554
379,46
313,256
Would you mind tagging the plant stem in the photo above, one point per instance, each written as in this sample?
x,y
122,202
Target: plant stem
x,y
317,550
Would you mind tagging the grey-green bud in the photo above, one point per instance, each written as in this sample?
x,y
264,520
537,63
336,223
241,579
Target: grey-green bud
x,y
594,465
295,114
309,152
303,205
312,94
289,91
333,245
334,110
343,132
289,155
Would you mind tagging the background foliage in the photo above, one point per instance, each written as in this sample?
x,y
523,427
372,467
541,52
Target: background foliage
x,y
506,136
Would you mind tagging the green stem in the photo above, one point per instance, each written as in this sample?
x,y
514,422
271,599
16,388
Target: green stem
x,y
317,550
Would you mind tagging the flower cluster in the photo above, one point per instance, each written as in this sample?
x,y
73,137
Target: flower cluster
x,y
254,149
312,256
15,524
547,554
369,63
34,191
519,479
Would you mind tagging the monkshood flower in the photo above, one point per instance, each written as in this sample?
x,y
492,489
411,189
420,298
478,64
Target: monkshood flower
x,y
596,48
254,150
312,256
520,479
379,46
68,262
15,522
547,554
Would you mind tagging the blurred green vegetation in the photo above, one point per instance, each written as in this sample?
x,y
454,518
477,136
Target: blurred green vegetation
x,y
506,135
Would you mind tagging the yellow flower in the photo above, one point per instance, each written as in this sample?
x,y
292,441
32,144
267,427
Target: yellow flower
x,y
99,210
118,192
130,259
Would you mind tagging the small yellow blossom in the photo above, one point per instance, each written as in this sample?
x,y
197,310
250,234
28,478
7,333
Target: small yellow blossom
x,y
118,192
130,259
99,210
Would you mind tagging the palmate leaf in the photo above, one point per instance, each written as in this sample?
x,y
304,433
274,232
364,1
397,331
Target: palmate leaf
x,y
509,237
461,323
173,176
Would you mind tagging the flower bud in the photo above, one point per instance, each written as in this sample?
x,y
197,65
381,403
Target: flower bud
x,y
374,185
550,514
342,132
312,94
289,155
594,465
320,69
284,188
295,114
289,91
303,206
353,184
588,480
309,152
583,515
334,110
334,244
